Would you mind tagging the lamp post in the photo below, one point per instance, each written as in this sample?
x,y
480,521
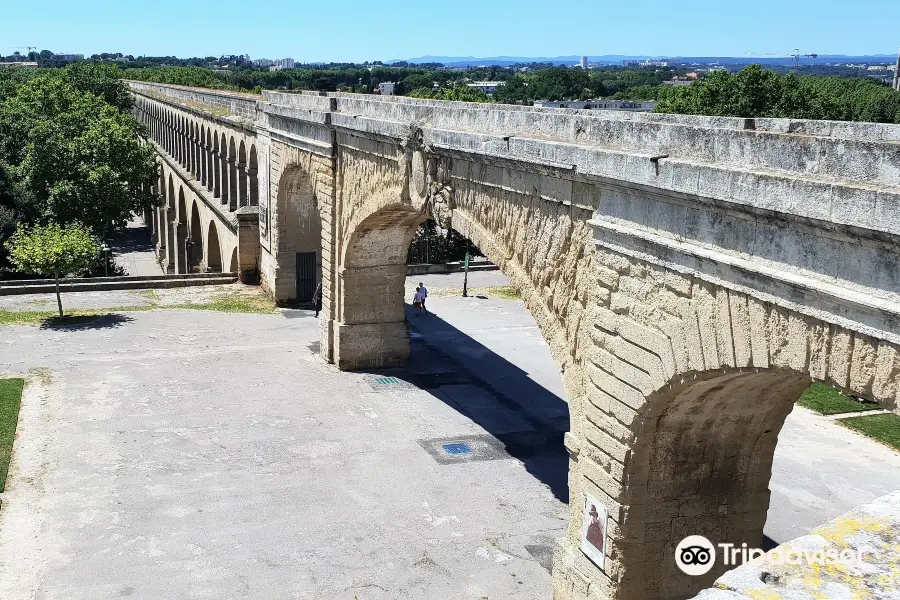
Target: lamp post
x,y
466,271
104,251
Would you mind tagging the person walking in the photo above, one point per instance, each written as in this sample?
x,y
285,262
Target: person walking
x,y
317,299
417,301
424,292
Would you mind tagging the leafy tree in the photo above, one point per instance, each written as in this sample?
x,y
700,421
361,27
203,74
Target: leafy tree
x,y
78,156
53,250
459,92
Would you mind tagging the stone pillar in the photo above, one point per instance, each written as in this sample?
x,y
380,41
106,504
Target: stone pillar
x,y
248,244
371,334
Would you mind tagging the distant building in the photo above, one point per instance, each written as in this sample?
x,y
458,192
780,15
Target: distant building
x,y
386,88
68,56
486,86
599,104
646,63
584,62
20,63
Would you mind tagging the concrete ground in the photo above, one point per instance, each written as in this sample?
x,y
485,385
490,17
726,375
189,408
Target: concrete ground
x,y
193,454
132,250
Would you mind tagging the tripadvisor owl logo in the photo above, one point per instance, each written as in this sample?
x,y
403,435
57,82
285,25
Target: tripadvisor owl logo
x,y
695,555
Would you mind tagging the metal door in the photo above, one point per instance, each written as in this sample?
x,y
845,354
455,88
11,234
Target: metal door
x,y
306,276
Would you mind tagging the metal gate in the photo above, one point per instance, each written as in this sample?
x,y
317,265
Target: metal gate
x,y
306,276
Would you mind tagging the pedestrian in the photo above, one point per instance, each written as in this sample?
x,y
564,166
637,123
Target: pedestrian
x,y
424,291
417,301
317,299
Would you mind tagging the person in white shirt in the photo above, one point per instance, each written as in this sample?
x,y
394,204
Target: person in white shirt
x,y
417,301
424,291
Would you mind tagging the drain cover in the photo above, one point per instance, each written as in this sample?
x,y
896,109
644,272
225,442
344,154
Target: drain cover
x,y
465,448
387,380
457,448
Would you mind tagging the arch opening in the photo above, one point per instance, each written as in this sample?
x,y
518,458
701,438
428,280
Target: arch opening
x,y
182,235
195,245
298,238
213,251
700,464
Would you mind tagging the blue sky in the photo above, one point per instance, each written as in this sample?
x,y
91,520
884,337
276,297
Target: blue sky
x,y
358,30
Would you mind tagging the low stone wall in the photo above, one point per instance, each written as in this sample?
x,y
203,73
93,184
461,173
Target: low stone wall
x,y
451,267
872,529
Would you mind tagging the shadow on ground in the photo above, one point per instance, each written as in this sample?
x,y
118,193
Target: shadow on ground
x,y
80,322
526,418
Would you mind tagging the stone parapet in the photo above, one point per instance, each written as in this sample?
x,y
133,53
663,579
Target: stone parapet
x,y
871,529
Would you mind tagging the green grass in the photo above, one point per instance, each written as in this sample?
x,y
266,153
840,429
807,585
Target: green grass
x,y
10,400
152,295
828,401
38,317
505,292
885,428
233,303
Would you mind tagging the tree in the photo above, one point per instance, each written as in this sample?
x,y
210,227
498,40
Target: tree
x,y
79,156
53,250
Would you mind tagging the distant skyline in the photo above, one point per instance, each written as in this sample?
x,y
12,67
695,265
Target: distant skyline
x,y
360,30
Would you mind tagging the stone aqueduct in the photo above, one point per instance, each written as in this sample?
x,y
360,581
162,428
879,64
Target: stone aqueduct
x,y
691,275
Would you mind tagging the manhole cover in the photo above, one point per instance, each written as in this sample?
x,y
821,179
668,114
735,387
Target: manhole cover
x,y
457,448
466,448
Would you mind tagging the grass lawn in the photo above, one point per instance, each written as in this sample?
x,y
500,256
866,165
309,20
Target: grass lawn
x,y
10,399
828,401
232,302
884,428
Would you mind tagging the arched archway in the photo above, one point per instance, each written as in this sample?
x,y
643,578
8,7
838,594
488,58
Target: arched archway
x,y
171,226
232,175
196,240
216,167
244,199
223,160
375,268
700,462
213,251
201,148
298,237
252,174
182,235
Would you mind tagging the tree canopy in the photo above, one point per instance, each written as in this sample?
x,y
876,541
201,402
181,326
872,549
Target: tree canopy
x,y
757,92
69,149
52,250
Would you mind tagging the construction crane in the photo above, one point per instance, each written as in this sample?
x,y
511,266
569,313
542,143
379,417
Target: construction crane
x,y
795,55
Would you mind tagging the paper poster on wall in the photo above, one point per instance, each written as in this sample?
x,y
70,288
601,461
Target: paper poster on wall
x,y
593,530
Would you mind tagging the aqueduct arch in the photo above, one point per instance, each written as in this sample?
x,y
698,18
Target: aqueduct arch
x,y
297,234
691,275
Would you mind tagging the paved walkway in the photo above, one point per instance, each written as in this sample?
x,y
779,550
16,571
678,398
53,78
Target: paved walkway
x,y
133,251
193,454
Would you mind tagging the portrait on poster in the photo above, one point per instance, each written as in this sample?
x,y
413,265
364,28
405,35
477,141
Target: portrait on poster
x,y
593,530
